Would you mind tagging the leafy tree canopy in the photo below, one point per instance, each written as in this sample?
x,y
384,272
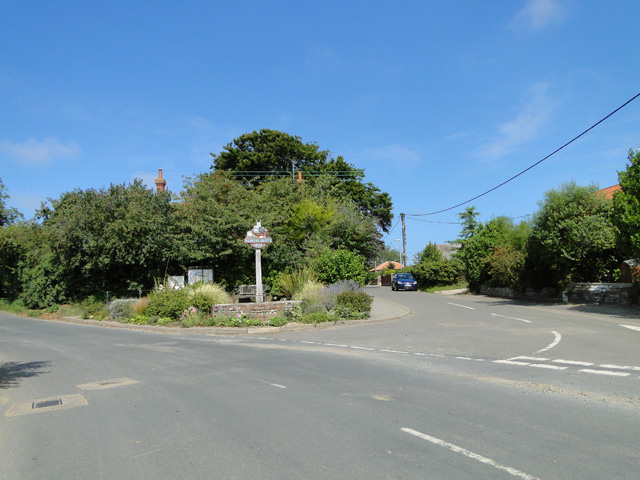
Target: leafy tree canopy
x,y
104,239
572,238
8,215
626,205
254,157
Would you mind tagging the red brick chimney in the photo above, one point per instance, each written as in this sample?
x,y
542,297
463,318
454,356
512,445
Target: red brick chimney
x,y
160,182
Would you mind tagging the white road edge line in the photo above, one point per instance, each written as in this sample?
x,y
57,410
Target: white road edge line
x,y
458,305
552,344
632,327
511,318
606,372
467,453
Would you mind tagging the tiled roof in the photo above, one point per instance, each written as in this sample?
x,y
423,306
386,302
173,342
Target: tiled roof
x,y
387,266
609,191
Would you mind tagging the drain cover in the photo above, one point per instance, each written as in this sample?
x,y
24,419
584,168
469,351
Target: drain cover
x,y
47,403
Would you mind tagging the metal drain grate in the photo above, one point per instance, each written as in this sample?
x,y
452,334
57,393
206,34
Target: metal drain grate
x,y
47,403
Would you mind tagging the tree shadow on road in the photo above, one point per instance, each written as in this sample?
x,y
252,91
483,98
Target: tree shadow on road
x,y
617,311
12,372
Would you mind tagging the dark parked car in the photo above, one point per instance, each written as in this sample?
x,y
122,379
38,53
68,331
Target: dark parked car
x,y
404,281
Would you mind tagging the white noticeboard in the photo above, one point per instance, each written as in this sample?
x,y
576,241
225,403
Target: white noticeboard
x,y
204,275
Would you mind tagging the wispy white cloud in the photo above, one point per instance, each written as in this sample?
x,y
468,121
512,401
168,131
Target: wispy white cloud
x,y
524,127
538,14
41,152
459,135
398,154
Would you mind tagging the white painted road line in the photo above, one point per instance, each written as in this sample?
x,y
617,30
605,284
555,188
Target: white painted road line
x,y
305,341
632,327
392,351
471,359
362,348
467,453
573,362
606,372
552,344
458,305
546,365
511,318
510,362
535,359
277,385
620,367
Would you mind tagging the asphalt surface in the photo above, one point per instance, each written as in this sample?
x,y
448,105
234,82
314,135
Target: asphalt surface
x,y
433,386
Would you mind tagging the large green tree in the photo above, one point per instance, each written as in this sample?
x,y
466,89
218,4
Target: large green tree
x,y
110,239
260,155
8,215
626,204
256,155
572,238
303,220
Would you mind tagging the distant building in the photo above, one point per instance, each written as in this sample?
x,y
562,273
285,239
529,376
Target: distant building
x,y
387,266
160,182
609,191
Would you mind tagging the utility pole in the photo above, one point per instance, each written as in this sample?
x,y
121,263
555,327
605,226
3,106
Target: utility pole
x,y
404,241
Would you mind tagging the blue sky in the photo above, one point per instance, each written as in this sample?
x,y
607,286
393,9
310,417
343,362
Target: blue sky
x,y
437,101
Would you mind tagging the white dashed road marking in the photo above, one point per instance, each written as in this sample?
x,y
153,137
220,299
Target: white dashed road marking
x,y
467,453
546,365
458,305
605,372
522,360
573,362
511,318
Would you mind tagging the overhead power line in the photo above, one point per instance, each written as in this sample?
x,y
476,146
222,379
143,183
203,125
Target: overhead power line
x,y
530,167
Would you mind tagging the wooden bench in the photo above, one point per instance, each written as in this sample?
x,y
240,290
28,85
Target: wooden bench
x,y
246,292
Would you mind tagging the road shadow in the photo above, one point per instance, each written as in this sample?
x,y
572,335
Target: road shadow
x,y
11,373
618,311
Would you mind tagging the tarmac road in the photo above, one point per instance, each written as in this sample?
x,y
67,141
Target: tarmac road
x,y
455,387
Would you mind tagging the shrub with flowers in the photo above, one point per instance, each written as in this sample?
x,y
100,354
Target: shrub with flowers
x,y
191,317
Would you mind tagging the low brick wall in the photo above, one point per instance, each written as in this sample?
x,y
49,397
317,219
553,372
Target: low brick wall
x,y
263,311
625,294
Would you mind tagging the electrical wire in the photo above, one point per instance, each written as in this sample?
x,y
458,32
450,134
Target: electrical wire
x,y
530,167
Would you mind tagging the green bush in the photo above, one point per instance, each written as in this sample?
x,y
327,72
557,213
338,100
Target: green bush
x,y
291,284
121,308
16,306
318,317
332,266
208,295
353,305
168,303
431,273
92,307
278,321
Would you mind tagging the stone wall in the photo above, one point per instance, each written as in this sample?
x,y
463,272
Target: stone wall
x,y
545,294
601,293
263,311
